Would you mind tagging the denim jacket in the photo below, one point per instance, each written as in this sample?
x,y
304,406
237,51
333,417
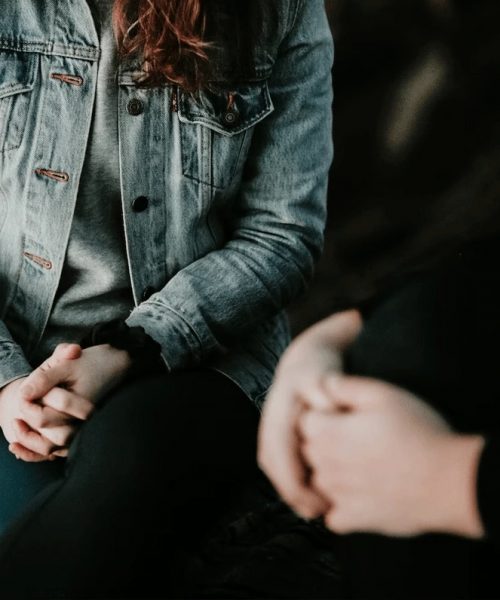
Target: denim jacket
x,y
236,179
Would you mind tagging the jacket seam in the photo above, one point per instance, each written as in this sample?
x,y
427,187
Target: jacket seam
x,y
294,16
50,49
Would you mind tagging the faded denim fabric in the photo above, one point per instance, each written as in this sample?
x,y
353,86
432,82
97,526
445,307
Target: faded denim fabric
x,y
236,180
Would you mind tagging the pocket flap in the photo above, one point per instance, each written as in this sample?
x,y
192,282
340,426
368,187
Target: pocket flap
x,y
229,110
17,72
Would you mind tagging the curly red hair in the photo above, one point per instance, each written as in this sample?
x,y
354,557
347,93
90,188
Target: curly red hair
x,y
168,36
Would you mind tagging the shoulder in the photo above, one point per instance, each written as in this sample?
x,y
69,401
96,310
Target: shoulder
x,y
245,37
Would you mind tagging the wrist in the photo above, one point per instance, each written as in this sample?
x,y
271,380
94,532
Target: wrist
x,y
121,358
457,480
137,352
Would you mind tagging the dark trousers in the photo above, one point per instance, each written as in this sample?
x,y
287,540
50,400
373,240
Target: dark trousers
x,y
435,333
150,473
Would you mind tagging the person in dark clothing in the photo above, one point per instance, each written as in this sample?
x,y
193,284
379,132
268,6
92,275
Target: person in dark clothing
x,y
377,461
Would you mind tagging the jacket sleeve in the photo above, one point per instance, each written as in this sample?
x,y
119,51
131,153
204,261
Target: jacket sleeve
x,y
13,363
279,214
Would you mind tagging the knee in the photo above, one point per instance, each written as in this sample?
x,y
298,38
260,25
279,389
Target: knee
x,y
123,436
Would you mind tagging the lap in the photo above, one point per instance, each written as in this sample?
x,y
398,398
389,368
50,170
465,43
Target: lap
x,y
180,419
158,461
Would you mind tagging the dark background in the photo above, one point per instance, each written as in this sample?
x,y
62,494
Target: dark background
x,y
416,128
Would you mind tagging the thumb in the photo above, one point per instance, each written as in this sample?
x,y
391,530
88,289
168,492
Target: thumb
x,y
67,351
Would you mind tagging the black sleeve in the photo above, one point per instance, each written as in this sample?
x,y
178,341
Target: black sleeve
x,y
488,487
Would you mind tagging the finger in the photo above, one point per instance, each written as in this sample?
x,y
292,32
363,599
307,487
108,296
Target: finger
x,y
344,327
280,459
32,440
38,416
41,381
69,403
66,351
59,436
22,453
62,453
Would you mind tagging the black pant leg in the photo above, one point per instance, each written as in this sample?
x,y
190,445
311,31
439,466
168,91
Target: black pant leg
x,y
156,465
21,482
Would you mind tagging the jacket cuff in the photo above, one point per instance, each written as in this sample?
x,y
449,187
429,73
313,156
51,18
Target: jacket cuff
x,y
488,487
180,346
13,363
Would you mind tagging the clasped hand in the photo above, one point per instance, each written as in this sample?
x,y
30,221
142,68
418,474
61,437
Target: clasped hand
x,y
41,413
363,454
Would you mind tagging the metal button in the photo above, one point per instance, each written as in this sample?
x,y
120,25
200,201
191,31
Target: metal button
x,y
231,118
135,107
140,204
148,291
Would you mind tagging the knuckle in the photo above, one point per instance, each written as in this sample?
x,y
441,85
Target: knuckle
x,y
60,398
36,419
34,415
40,379
21,436
65,402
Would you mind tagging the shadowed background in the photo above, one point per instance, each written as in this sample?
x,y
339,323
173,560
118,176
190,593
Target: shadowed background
x,y
417,153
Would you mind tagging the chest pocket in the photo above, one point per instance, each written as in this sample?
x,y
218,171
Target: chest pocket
x,y
17,79
216,127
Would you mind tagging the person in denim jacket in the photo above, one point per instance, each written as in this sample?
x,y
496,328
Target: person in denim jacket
x,y
163,174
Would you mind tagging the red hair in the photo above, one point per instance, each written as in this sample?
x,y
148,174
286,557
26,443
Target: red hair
x,y
168,36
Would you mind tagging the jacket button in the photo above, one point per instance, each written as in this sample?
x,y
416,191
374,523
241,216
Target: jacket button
x,y
148,291
231,118
135,107
140,204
